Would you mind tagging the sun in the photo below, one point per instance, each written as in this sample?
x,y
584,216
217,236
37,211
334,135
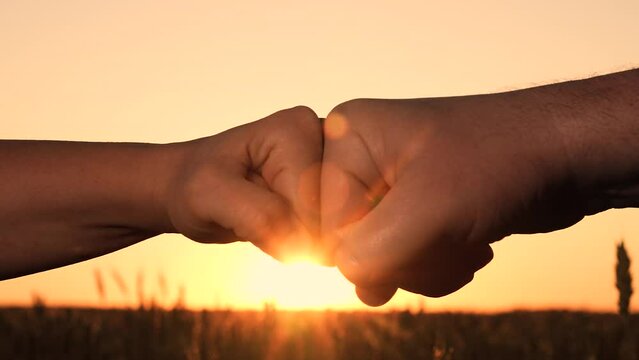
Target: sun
x,y
301,283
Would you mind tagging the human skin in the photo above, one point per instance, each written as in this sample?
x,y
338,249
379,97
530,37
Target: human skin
x,y
414,191
64,202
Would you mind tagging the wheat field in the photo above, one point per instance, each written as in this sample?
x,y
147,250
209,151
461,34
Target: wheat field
x,y
40,332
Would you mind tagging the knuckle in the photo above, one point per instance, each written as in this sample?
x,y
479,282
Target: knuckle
x,y
302,112
344,117
349,108
298,126
299,115
306,123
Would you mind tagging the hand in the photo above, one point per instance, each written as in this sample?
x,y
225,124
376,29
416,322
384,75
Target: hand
x,y
414,191
257,182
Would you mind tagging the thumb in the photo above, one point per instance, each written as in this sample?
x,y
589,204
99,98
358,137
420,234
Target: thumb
x,y
347,200
407,242
375,296
403,225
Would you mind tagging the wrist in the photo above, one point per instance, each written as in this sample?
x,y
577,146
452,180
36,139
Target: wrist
x,y
167,162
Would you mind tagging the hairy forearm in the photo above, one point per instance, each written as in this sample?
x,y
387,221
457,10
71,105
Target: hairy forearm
x,y
64,202
585,130
598,119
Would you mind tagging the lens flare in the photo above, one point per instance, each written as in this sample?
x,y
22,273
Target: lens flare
x,y
335,126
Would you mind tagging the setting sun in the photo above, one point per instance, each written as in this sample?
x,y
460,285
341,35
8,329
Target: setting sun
x,y
300,284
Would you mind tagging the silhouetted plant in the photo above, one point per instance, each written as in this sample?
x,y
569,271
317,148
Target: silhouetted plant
x,y
624,279
99,284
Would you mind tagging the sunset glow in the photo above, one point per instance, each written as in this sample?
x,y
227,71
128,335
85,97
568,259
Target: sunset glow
x,y
162,72
301,284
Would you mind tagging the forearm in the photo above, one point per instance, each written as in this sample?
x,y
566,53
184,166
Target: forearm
x,y
598,119
584,132
64,202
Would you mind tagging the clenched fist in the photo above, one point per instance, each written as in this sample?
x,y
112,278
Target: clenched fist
x,y
414,191
257,182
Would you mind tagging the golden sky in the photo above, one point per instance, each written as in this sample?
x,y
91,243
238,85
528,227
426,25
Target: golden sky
x,y
163,71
